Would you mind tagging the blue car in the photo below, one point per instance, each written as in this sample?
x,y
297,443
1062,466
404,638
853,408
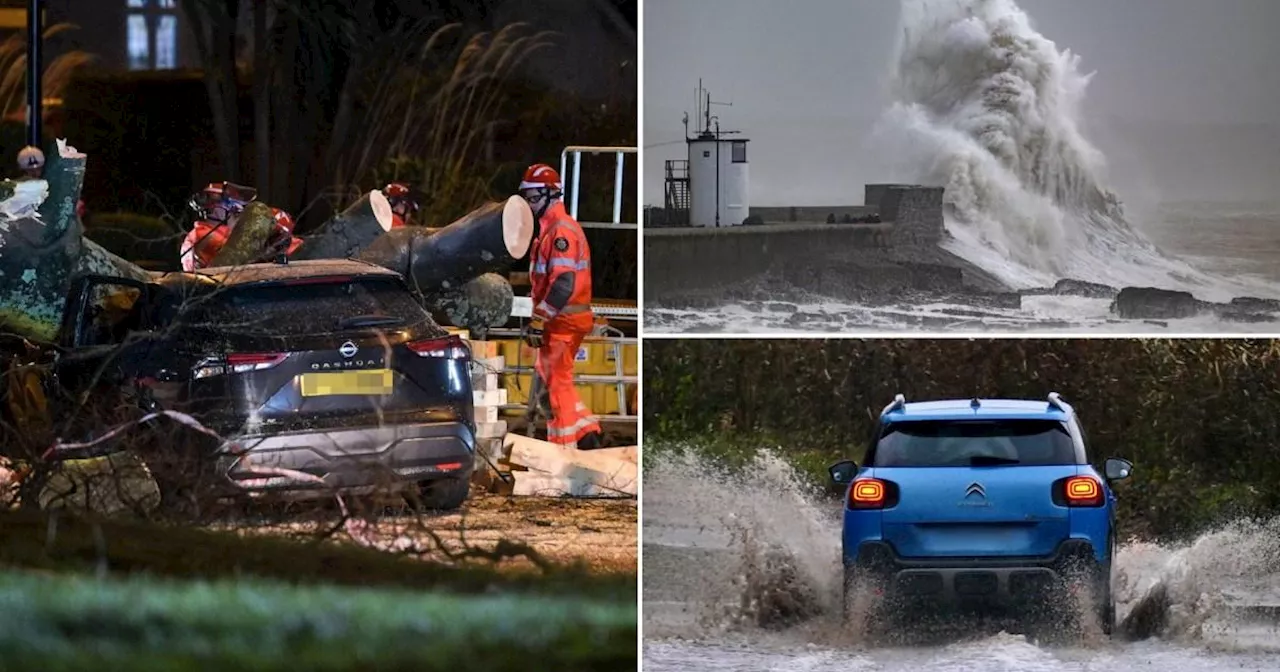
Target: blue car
x,y
980,505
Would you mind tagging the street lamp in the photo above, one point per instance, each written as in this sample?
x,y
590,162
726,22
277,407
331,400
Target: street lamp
x,y
35,37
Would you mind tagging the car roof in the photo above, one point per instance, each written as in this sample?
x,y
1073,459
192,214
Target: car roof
x,y
268,272
966,409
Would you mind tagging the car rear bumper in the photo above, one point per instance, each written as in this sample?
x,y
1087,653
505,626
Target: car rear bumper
x,y
952,581
347,458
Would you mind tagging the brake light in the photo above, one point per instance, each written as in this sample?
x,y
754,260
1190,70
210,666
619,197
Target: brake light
x,y
240,362
450,347
867,493
243,362
1082,491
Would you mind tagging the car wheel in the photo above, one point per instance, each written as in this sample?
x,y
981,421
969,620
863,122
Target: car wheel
x,y
442,494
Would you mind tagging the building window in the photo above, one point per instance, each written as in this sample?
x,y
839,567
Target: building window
x,y
139,43
167,43
152,35
739,151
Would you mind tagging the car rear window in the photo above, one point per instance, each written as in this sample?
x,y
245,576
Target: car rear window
x,y
950,443
309,307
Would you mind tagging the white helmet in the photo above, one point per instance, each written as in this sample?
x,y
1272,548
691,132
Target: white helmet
x,y
30,157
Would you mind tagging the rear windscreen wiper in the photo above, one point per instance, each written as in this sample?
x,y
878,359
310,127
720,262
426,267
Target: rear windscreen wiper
x,y
370,321
991,460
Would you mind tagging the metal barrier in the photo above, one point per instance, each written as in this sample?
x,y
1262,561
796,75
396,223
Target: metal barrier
x,y
619,378
577,152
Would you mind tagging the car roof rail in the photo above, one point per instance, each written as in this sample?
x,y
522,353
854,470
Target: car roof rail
x,y
1055,401
899,403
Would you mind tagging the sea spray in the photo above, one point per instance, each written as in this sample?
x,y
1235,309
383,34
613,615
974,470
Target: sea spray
x,y
986,106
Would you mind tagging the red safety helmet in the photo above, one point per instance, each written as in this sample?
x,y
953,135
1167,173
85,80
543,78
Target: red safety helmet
x,y
230,197
541,177
398,194
284,222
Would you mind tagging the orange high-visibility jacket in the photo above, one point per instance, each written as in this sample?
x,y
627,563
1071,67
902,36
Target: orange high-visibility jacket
x,y
560,266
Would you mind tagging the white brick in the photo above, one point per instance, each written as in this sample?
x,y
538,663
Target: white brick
x,y
491,430
485,414
521,306
488,364
484,382
496,397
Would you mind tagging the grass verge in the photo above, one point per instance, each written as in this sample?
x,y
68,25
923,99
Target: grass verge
x,y
56,623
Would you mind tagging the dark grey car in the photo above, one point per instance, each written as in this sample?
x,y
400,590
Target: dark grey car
x,y
317,375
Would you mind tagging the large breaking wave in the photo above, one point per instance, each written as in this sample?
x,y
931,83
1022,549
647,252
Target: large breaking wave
x,y
991,109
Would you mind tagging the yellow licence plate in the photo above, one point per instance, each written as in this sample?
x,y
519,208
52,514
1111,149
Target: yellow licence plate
x,y
376,381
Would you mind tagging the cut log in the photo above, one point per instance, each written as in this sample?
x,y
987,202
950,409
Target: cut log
x,y
538,484
611,469
351,231
476,306
488,240
247,243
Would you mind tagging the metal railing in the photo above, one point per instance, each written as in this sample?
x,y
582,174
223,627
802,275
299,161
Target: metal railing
x,y
577,151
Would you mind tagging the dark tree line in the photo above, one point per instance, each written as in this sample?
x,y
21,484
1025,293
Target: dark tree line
x,y
1199,418
339,90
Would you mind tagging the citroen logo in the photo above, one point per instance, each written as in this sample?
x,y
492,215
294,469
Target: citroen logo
x,y
975,488
348,349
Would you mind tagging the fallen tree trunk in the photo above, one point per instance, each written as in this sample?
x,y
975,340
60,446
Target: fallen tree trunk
x,y
247,243
488,240
351,231
42,248
65,176
481,303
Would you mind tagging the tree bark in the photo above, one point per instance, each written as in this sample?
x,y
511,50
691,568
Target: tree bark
x,y
351,231
481,303
41,255
247,243
488,240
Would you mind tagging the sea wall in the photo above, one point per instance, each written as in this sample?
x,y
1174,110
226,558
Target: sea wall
x,y
683,261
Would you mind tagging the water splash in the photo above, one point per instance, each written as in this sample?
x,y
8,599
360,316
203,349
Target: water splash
x,y
991,109
770,558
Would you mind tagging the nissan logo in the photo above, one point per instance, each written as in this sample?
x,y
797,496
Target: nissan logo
x,y
348,349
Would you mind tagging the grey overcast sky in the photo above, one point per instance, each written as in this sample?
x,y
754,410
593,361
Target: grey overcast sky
x,y
1185,102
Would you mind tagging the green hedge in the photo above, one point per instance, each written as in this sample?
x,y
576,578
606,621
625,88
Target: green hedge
x,y
1200,419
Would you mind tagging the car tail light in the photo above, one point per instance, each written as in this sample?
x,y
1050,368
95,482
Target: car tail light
x,y
243,362
871,493
240,362
1079,491
450,347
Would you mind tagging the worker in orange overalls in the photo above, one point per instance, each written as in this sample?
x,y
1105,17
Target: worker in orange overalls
x,y
560,272
403,206
218,207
